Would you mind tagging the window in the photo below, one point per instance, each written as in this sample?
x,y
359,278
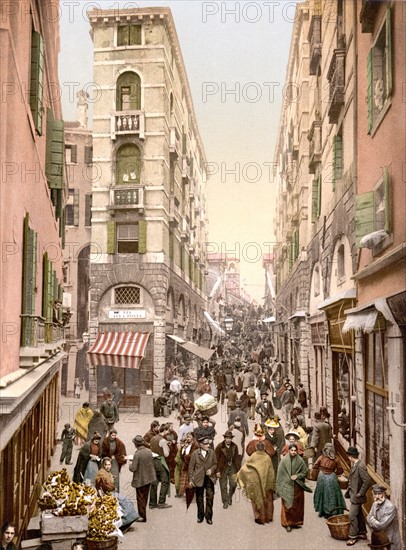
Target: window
x,y
128,92
316,199
37,79
71,154
127,295
377,433
69,214
373,211
55,150
341,263
128,165
129,35
317,280
29,283
88,154
88,210
379,74
337,158
127,238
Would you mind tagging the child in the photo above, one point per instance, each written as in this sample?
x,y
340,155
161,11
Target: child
x,y
68,435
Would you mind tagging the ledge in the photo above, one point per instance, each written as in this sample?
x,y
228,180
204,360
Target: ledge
x,y
395,255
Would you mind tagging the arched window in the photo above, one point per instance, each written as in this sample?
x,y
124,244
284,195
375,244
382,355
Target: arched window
x,y
341,262
128,92
128,165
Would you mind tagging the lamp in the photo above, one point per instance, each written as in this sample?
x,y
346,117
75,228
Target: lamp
x,y
391,408
85,337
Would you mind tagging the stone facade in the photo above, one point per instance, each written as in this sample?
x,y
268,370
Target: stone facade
x,y
148,214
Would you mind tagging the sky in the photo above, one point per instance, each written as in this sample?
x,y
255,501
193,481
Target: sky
x,y
236,55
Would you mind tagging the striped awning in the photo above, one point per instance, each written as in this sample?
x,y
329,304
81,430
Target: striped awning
x,y
119,349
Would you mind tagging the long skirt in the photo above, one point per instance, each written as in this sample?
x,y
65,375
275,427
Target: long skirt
x,y
115,470
265,513
91,470
294,515
328,499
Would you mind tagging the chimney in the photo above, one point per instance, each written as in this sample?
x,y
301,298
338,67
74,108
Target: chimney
x,y
82,108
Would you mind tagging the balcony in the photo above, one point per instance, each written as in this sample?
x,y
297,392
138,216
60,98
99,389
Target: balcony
x,y
174,216
39,340
127,198
174,142
314,138
336,77
314,38
124,123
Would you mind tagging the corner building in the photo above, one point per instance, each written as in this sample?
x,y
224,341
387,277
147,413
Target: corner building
x,y
147,261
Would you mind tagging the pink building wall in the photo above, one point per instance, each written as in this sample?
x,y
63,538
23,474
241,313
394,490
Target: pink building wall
x,y
24,188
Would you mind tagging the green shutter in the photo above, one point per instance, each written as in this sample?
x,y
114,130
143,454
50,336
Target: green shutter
x,y
88,154
74,154
122,35
370,95
62,224
133,82
45,263
111,237
388,201
142,237
56,197
135,35
364,215
48,150
76,207
388,52
337,159
128,165
55,180
37,79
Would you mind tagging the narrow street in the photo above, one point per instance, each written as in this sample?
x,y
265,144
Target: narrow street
x,y
176,528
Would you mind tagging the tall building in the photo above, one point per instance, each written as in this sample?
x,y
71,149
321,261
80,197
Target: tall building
x,y
148,211
340,226
32,196
78,216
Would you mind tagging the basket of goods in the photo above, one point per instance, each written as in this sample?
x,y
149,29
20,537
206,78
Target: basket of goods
x,y
64,497
308,452
343,482
339,525
104,521
207,404
312,474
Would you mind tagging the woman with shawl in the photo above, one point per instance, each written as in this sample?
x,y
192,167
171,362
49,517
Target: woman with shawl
x,y
97,424
290,485
89,457
114,448
81,423
259,436
328,498
257,480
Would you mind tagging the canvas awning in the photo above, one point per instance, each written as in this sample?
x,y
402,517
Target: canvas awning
x,y
119,349
199,351
361,320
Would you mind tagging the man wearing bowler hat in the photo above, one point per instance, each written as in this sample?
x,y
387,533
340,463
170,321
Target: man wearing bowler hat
x,y
383,516
227,466
358,484
202,476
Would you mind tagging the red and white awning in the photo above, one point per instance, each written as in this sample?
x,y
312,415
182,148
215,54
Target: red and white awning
x,y
119,349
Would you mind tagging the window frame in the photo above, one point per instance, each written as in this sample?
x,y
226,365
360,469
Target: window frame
x,y
128,27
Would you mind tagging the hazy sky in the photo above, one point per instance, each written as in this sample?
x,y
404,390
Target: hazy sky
x,y
235,55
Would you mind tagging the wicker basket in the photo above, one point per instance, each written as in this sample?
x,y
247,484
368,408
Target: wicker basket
x,y
109,544
308,452
339,526
312,474
210,412
343,482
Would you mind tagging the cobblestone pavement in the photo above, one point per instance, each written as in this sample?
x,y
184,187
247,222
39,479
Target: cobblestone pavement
x,y
176,528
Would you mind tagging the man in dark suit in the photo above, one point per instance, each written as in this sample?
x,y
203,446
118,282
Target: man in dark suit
x,y
228,465
202,476
358,484
322,434
142,466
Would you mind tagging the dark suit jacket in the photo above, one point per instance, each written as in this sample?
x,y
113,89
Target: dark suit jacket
x,y
142,466
199,465
358,483
322,434
221,457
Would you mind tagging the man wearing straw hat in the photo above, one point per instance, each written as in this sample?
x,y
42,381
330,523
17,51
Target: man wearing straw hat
x,y
383,516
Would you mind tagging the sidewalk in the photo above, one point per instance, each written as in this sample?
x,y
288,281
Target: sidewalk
x,y
177,528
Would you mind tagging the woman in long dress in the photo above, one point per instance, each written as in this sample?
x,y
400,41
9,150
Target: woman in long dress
x,y
290,485
88,461
189,446
81,423
257,480
328,498
114,448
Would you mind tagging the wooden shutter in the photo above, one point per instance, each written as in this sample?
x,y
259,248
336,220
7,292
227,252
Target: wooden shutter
x,y
171,245
88,210
296,244
47,289
131,81
337,158
315,199
388,52
29,268
122,35
62,226
196,274
56,196
128,163
388,201
364,215
88,154
184,144
37,79
135,35
55,180
191,268
111,237
76,207
142,237
370,95
74,153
